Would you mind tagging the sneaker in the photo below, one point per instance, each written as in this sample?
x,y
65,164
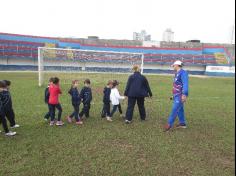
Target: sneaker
x,y
59,123
109,119
79,123
10,133
52,123
69,119
15,126
127,122
181,125
167,128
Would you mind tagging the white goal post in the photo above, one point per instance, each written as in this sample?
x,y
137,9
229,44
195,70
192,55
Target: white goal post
x,y
51,60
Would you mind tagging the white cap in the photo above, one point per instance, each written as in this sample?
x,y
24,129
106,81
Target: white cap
x,y
178,62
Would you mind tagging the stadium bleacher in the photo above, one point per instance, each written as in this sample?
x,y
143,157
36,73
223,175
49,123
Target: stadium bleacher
x,y
9,48
26,47
187,59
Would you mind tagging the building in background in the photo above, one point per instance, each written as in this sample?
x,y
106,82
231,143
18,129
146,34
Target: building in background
x,y
142,36
168,35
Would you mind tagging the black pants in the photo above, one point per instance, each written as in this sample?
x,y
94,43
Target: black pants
x,y
48,113
120,109
10,116
114,109
85,111
106,112
53,111
131,104
75,113
3,121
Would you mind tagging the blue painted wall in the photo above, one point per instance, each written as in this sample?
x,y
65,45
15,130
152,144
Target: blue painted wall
x,y
213,50
68,45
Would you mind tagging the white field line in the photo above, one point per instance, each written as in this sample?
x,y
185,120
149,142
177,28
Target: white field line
x,y
82,72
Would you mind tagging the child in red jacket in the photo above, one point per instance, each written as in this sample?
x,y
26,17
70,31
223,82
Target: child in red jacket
x,y
55,91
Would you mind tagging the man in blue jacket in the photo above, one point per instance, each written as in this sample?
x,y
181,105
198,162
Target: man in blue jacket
x,y
137,90
180,94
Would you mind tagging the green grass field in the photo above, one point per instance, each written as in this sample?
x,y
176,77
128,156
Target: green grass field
x,y
115,149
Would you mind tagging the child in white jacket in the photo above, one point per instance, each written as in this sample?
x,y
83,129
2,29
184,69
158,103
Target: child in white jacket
x,y
115,98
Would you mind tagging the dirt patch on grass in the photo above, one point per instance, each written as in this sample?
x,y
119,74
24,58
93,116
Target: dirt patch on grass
x,y
227,163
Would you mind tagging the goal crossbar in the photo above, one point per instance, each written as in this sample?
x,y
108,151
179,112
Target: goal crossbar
x,y
41,57
95,51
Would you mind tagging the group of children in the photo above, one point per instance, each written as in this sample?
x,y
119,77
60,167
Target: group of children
x,y
6,108
53,91
111,96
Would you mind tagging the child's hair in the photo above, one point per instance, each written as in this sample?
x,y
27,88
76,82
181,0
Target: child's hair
x,y
115,83
51,79
2,84
110,82
73,83
7,82
56,80
87,81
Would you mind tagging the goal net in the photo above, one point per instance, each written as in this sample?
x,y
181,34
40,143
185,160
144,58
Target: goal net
x,y
70,62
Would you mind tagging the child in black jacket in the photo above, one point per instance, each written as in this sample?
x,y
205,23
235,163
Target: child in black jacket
x,y
3,103
106,100
86,97
76,100
8,107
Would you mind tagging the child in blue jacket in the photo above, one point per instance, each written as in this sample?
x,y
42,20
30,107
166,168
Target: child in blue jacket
x,y
76,100
4,103
86,98
8,107
106,100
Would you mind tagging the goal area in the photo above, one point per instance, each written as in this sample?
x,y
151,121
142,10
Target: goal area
x,y
53,61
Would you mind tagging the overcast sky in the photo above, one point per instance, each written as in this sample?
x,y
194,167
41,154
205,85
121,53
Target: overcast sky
x,y
207,20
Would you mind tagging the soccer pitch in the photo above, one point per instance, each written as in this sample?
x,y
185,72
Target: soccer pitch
x,y
102,148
